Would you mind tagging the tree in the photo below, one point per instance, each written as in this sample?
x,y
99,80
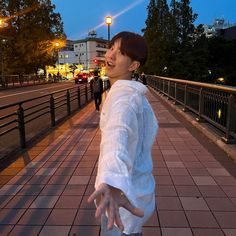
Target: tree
x,y
73,67
33,25
158,36
186,19
222,61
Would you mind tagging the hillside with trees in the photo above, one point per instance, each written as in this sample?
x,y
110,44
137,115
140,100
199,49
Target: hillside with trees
x,y
32,26
179,49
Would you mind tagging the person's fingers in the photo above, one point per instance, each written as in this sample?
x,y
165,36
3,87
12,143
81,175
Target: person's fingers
x,y
111,214
134,210
102,206
94,195
118,219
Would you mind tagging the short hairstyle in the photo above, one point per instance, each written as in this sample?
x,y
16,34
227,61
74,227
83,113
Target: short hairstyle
x,y
95,72
133,45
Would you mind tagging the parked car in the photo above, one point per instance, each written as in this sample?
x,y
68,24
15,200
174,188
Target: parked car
x,y
81,78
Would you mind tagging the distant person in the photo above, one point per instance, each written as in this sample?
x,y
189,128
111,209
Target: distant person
x,y
96,85
54,78
143,77
49,77
136,76
125,187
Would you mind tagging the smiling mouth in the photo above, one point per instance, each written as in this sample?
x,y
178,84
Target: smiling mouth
x,y
110,64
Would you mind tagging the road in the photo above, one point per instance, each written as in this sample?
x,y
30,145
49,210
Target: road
x,y
13,95
36,125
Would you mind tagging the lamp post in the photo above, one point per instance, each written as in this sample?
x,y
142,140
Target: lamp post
x,y
108,21
3,24
57,45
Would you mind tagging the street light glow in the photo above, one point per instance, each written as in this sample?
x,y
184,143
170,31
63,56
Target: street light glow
x,y
57,44
108,20
3,23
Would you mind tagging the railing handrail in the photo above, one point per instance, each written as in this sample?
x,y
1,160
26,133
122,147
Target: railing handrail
x,y
32,99
211,103
199,84
23,115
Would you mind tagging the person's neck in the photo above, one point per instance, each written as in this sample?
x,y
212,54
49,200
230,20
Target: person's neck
x,y
114,79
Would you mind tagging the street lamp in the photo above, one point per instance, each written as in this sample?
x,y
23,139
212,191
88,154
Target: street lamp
x,y
108,21
3,24
57,45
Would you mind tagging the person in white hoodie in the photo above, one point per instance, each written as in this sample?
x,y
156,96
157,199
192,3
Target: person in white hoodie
x,y
125,187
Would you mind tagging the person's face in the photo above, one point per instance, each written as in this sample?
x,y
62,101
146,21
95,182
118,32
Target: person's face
x,y
118,66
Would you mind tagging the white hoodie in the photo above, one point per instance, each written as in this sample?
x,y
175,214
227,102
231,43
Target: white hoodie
x,y
128,127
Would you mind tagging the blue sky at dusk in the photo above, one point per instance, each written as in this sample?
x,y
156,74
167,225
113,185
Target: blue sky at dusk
x,y
81,16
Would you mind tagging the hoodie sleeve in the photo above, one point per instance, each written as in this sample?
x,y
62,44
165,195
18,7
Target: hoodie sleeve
x,y
117,149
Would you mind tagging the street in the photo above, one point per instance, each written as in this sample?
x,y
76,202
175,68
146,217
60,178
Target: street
x,y
13,95
37,118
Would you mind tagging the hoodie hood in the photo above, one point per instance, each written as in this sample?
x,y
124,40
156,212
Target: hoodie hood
x,y
130,84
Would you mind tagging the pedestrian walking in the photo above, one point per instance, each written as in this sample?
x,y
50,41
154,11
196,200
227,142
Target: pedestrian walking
x,y
143,77
125,187
96,85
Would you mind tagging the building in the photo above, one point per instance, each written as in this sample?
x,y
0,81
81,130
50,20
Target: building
x,y
90,52
228,33
220,29
86,54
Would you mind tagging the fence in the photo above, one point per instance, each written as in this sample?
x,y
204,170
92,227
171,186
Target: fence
x,y
29,117
10,81
211,103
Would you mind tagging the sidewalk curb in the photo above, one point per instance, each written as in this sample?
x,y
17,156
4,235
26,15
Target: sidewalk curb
x,y
229,149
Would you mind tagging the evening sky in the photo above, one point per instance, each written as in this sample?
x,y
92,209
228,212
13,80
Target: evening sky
x,y
81,16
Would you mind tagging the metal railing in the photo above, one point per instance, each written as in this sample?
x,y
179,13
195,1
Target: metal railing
x,y
11,81
214,104
44,111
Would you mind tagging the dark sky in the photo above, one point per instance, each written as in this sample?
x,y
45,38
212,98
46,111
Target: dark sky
x,y
79,17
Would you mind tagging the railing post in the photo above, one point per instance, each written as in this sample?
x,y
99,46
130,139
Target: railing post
x,y
163,86
104,86
52,110
200,105
21,126
185,97
78,95
168,91
229,121
68,102
86,93
175,97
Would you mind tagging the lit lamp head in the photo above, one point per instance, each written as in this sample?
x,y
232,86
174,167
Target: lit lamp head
x,y
57,44
3,23
108,20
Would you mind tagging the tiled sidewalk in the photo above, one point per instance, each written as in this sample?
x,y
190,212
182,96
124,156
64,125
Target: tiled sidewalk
x,y
196,185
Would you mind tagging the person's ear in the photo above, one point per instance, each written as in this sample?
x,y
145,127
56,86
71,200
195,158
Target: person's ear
x,y
134,65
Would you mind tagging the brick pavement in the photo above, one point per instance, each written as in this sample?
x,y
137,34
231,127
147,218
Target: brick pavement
x,y
44,191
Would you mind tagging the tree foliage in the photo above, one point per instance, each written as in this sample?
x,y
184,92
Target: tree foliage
x,y
32,27
178,49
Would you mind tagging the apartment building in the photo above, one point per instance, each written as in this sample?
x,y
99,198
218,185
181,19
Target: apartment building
x,y
87,54
220,28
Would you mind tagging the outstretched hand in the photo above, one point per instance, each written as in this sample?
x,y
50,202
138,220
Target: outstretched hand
x,y
109,200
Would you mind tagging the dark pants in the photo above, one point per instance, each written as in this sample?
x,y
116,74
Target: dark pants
x,y
115,231
97,100
136,234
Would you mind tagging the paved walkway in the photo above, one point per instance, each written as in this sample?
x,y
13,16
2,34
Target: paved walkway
x,y
45,191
